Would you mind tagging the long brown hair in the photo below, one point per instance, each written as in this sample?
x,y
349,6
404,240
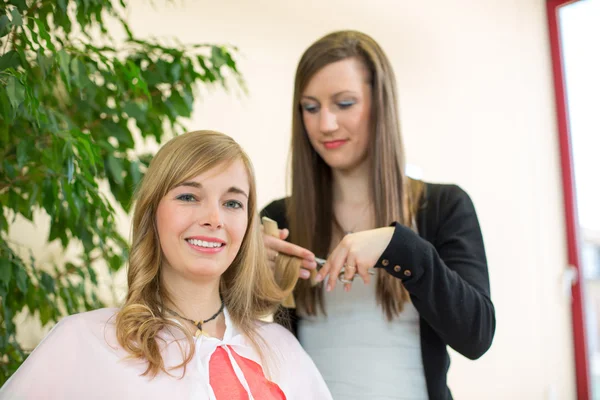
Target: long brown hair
x,y
247,286
310,207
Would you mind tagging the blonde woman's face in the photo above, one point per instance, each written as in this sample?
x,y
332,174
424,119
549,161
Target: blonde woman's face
x,y
336,110
201,223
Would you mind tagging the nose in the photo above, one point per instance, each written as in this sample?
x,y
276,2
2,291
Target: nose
x,y
211,217
328,121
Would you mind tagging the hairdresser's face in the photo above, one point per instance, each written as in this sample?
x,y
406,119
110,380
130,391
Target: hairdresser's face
x,y
336,110
201,223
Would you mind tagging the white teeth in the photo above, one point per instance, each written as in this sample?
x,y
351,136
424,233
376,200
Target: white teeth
x,y
202,243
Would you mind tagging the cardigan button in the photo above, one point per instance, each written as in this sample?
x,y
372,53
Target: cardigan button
x,y
397,268
385,262
407,273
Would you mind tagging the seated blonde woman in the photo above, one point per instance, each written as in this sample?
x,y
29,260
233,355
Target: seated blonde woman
x,y
198,284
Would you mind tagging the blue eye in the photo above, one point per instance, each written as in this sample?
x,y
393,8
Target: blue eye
x,y
186,197
346,104
310,108
234,204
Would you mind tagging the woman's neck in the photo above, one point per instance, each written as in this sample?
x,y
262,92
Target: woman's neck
x,y
352,187
195,300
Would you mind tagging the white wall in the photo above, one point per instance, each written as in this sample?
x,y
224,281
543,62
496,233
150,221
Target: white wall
x,y
477,109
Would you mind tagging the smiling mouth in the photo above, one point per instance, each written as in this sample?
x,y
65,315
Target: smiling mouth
x,y
205,244
333,144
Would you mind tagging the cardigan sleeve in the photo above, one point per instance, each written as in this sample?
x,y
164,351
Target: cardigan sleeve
x,y
448,279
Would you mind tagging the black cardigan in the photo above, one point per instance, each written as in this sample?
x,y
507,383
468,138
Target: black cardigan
x,y
445,271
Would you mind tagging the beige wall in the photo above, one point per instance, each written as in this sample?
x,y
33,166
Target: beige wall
x,y
477,110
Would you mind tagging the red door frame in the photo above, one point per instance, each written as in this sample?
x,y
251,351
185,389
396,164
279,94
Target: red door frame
x,y
571,222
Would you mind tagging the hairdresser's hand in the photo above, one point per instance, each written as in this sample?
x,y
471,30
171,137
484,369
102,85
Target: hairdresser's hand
x,y
357,253
280,246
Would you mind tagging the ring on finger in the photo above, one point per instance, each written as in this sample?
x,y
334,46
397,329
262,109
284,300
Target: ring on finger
x,y
344,280
371,271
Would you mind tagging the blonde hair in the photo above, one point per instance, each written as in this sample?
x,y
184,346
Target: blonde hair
x,y
247,286
395,197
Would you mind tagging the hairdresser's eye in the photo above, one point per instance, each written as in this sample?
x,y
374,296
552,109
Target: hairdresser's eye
x,y
234,204
346,104
310,108
186,197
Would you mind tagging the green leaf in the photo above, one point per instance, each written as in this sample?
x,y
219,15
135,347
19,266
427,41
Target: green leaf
x,y
47,282
93,276
44,34
79,73
63,5
115,168
33,197
115,262
63,61
45,312
5,271
22,279
21,4
16,17
180,106
23,149
70,169
135,111
9,60
15,91
134,170
50,192
4,25
176,71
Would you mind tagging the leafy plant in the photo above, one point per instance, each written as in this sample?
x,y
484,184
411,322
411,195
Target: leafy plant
x,y
75,103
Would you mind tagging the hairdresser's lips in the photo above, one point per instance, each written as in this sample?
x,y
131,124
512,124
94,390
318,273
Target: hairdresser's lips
x,y
205,244
334,144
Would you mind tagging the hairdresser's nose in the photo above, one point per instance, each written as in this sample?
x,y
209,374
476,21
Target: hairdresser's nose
x,y
212,216
328,121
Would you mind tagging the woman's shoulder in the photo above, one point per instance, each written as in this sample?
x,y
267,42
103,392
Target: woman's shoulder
x,y
91,321
275,334
297,372
91,328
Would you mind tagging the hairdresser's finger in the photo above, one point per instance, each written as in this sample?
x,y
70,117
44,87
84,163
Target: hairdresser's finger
x,y
272,255
307,264
364,271
349,271
336,262
304,274
290,249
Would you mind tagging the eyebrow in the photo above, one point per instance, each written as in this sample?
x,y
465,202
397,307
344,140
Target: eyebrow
x,y
196,185
334,95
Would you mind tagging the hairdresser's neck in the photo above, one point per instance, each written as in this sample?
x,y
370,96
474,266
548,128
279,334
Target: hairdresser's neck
x,y
197,300
352,186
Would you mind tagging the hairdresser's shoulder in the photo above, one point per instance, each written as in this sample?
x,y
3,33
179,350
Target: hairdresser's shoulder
x,y
443,194
276,210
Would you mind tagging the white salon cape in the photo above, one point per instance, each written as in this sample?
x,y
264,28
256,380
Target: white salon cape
x,y
81,359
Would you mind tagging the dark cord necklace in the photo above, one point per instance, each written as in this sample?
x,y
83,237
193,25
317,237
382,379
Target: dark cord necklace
x,y
198,324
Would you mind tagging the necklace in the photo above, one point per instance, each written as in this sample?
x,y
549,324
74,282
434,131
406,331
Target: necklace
x,y
198,324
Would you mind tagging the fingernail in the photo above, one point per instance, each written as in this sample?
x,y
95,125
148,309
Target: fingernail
x,y
304,274
329,288
318,278
347,289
